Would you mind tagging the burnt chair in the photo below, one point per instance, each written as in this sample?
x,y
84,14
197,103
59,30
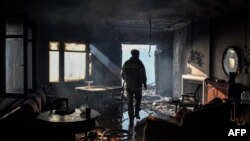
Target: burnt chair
x,y
191,99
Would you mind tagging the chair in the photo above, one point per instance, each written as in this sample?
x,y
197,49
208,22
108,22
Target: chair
x,y
120,99
191,99
117,106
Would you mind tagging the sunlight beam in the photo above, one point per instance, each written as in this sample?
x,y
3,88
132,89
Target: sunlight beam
x,y
105,61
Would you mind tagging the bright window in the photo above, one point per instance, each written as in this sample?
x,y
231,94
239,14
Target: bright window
x,y
54,62
74,62
74,59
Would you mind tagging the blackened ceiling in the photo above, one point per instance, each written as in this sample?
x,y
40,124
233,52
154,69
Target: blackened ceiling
x,y
164,14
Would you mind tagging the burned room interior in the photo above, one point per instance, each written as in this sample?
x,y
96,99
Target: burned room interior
x,y
62,57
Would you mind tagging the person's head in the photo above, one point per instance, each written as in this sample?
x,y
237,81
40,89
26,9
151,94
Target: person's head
x,y
135,53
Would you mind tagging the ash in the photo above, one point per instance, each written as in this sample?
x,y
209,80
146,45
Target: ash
x,y
153,103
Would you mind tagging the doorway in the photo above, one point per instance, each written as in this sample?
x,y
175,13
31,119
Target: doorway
x,y
146,56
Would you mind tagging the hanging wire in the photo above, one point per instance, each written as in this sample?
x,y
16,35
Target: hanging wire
x,y
150,32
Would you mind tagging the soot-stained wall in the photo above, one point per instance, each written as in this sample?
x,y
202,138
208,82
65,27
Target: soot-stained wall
x,y
164,63
228,31
211,38
194,37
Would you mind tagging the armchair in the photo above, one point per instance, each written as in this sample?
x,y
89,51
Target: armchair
x,y
212,120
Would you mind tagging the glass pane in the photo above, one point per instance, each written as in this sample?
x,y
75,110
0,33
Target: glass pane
x,y
30,65
14,66
14,27
54,45
74,66
54,66
75,47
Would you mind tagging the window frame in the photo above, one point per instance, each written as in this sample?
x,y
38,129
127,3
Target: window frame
x,y
62,50
28,35
54,50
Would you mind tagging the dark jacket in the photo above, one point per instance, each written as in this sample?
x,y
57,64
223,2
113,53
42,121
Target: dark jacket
x,y
134,74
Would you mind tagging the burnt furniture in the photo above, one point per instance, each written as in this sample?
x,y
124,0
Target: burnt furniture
x,y
189,78
88,90
65,126
223,90
20,123
191,99
211,120
103,96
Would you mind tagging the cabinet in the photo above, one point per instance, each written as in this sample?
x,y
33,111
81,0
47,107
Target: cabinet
x,y
222,90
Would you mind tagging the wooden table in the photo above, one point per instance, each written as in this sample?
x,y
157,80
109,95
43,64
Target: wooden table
x,y
102,98
98,90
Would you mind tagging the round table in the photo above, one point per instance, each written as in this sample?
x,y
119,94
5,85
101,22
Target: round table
x,y
65,126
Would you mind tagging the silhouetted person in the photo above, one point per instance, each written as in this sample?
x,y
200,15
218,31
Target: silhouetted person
x,y
134,74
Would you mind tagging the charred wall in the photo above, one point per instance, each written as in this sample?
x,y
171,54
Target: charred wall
x,y
228,31
211,38
194,38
